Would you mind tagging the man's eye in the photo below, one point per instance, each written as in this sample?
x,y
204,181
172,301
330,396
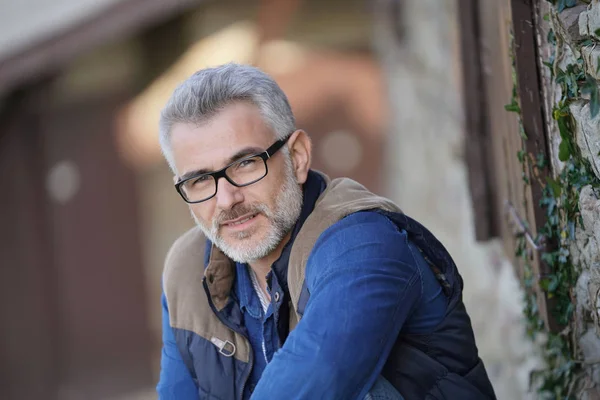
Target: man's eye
x,y
200,179
246,163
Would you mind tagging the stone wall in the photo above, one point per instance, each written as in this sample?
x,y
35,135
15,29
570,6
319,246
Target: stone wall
x,y
577,32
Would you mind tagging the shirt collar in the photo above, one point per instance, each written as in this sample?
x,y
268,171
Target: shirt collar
x,y
247,298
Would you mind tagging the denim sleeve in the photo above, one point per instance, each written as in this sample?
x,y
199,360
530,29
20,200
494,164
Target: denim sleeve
x,y
364,284
175,380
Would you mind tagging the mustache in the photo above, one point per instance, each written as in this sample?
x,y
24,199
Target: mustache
x,y
238,211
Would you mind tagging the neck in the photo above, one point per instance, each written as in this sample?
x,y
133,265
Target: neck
x,y
263,266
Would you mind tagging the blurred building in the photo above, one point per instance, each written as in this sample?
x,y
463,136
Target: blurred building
x,y
386,89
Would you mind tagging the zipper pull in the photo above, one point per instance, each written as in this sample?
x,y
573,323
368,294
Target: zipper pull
x,y
225,346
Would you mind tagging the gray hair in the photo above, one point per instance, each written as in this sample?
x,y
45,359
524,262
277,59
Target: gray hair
x,y
204,94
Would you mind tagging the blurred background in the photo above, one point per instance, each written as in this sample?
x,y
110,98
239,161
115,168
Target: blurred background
x,y
88,210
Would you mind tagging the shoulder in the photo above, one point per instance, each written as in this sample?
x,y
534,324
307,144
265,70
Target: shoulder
x,y
183,258
364,219
360,227
361,236
365,245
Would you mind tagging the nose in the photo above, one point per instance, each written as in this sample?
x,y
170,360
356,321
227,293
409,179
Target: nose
x,y
228,195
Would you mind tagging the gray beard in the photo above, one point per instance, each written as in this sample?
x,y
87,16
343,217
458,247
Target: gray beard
x,y
281,219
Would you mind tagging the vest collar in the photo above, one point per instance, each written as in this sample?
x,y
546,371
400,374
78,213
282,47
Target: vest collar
x,y
312,189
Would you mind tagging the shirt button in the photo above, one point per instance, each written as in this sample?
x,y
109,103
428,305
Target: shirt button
x,y
276,297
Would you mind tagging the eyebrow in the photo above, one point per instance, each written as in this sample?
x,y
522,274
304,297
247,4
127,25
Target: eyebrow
x,y
246,151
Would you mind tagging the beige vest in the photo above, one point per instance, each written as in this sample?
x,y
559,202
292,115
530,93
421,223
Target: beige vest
x,y
189,308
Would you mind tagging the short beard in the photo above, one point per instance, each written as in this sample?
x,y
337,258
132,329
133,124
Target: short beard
x,y
282,219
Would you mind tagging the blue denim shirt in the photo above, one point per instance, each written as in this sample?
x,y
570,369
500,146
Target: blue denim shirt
x,y
260,326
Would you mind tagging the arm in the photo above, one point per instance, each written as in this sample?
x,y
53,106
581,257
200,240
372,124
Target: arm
x,y
364,284
175,380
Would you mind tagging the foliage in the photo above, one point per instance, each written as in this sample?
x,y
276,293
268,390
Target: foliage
x,y
590,86
560,200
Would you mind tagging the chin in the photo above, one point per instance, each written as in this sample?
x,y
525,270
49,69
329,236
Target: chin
x,y
246,245
235,238
247,250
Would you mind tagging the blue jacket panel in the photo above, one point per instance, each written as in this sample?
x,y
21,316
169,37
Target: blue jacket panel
x,y
366,284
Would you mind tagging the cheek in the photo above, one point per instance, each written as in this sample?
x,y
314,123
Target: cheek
x,y
264,194
203,211
267,190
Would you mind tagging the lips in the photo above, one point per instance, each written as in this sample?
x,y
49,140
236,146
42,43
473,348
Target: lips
x,y
240,220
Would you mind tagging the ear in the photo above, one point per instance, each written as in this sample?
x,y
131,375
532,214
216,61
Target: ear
x,y
301,152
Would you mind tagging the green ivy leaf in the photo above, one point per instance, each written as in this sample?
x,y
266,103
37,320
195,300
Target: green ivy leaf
x,y
562,4
541,160
587,42
546,17
591,87
597,32
554,186
564,150
562,126
522,132
560,76
549,258
567,315
513,107
553,284
550,65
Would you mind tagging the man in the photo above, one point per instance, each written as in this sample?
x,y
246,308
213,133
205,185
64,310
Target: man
x,y
293,286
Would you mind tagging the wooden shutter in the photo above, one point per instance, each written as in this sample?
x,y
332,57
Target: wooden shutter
x,y
506,193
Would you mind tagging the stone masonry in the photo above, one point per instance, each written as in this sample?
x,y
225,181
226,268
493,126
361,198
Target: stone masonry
x,y
577,31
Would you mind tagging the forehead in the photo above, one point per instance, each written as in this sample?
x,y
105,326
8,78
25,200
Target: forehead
x,y
211,144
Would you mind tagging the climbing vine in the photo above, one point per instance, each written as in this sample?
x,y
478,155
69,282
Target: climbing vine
x,y
559,377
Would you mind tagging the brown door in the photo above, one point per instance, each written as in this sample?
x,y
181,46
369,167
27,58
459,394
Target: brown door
x,y
75,303
104,338
27,308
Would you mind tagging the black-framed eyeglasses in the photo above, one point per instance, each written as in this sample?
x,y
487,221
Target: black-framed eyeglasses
x,y
240,173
